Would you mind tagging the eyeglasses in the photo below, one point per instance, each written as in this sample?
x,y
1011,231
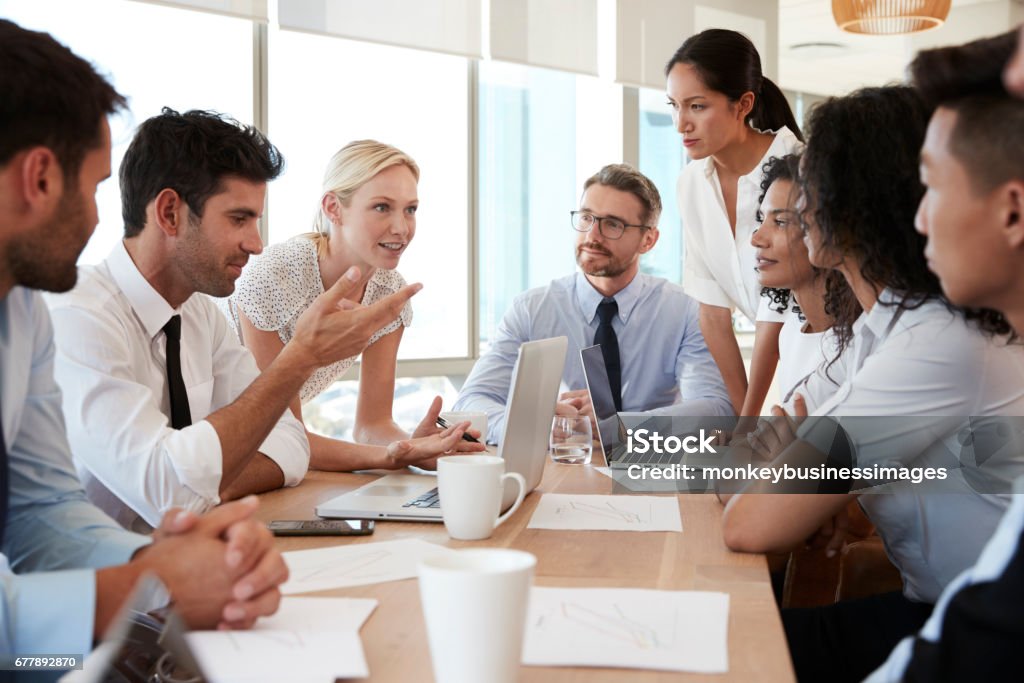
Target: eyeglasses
x,y
610,228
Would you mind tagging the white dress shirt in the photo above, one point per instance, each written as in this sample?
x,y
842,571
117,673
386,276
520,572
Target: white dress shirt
x,y
933,365
801,353
112,369
718,268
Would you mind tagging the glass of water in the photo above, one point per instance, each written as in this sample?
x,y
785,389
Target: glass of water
x,y
571,440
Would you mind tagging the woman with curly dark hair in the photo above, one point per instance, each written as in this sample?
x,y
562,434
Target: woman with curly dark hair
x,y
789,281
912,358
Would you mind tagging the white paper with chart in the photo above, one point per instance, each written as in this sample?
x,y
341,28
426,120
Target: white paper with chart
x,y
607,513
628,628
355,565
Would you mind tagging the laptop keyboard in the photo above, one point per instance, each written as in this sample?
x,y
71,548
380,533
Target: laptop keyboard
x,y
430,499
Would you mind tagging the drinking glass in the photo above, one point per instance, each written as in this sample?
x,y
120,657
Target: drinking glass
x,y
571,440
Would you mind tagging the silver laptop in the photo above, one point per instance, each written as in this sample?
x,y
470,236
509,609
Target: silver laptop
x,y
524,446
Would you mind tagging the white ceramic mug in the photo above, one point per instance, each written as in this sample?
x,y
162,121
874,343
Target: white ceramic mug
x,y
477,420
474,603
470,488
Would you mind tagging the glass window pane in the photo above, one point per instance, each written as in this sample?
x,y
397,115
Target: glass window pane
x,y
661,159
325,92
333,412
156,56
542,133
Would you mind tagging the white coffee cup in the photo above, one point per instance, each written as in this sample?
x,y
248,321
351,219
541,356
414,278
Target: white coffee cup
x,y
474,603
476,419
470,488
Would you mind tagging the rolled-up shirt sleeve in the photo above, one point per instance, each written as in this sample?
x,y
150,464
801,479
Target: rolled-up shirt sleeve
x,y
114,389
234,369
698,281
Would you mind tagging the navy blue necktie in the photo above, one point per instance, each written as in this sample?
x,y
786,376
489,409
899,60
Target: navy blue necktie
x,y
609,341
181,416
3,481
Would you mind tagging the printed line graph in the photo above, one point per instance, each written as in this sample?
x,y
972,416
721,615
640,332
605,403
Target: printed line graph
x,y
607,510
604,512
627,627
619,627
355,565
357,568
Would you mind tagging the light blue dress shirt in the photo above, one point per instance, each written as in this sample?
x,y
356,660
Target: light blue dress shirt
x,y
54,536
666,366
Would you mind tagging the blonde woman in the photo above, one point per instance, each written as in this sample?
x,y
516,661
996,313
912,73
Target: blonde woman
x,y
366,219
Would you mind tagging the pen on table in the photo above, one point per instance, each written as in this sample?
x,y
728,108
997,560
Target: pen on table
x,y
443,424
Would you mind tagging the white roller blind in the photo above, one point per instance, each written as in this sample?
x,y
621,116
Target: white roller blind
x,y
246,9
650,31
450,26
557,34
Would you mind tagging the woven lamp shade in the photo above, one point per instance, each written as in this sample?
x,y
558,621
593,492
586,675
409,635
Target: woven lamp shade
x,y
889,17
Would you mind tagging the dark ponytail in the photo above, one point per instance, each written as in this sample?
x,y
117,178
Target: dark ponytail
x,y
728,63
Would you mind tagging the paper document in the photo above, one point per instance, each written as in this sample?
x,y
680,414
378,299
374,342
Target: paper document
x,y
607,513
355,565
628,628
318,614
258,655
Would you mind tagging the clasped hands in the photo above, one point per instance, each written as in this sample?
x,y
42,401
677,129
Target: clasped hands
x,y
221,568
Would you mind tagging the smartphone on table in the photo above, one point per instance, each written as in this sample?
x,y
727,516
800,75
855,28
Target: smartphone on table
x,y
321,527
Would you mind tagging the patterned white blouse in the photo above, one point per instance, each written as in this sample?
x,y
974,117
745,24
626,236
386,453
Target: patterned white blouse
x,y
277,286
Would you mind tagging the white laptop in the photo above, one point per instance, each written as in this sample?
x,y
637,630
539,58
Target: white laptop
x,y
524,446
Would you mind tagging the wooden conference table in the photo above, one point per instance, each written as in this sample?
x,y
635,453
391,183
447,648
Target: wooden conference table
x,y
395,638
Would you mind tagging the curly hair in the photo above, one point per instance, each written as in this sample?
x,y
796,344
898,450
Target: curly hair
x,y
785,168
860,177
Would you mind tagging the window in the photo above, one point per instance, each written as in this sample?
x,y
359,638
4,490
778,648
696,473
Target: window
x,y
155,56
661,160
541,134
333,412
325,92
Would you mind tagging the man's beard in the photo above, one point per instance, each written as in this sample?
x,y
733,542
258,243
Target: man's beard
x,y
613,268
47,260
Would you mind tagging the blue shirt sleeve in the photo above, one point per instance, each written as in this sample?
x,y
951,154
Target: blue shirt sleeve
x,y
51,526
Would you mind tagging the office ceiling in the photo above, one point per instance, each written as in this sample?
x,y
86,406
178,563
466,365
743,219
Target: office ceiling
x,y
816,57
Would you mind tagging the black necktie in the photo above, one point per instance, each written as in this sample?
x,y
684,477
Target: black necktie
x,y
3,481
180,415
606,337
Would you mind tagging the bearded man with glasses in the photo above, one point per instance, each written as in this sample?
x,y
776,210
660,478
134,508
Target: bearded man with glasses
x,y
647,327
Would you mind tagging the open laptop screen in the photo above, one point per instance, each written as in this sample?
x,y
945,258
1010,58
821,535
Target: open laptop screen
x,y
600,388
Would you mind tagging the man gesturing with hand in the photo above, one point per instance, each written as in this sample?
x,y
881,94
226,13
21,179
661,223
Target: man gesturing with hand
x,y
164,406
